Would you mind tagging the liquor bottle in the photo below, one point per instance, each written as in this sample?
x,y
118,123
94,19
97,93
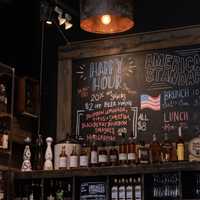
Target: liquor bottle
x,y
48,164
3,98
68,191
63,158
123,156
129,189
143,153
180,145
166,149
39,156
50,191
174,152
84,157
73,160
103,156
2,189
114,190
155,150
138,188
131,151
122,189
93,155
5,133
59,191
113,155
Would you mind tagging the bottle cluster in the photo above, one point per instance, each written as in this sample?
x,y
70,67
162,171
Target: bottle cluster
x,y
96,154
126,188
53,189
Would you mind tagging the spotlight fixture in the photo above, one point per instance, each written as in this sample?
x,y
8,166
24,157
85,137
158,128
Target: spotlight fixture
x,y
106,16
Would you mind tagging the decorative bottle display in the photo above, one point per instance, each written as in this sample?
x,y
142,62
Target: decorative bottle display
x,y
26,165
131,151
143,153
166,149
155,150
73,160
123,156
84,157
63,158
93,155
180,145
103,156
48,164
39,156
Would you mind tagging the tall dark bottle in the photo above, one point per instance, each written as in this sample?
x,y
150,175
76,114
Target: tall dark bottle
x,y
39,154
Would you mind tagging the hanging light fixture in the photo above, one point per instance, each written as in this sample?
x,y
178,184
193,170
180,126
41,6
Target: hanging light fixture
x,y
106,16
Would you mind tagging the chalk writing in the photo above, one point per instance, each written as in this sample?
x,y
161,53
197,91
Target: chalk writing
x,y
106,74
176,116
142,122
173,69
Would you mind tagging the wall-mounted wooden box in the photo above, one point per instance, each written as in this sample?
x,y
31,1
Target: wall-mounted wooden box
x,y
27,96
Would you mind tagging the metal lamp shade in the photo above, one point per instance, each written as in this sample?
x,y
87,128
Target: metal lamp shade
x,y
120,12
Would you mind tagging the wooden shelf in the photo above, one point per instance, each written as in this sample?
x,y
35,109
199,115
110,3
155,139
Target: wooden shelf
x,y
5,115
111,171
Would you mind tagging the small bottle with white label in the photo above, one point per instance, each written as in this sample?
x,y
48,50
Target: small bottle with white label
x,y
103,156
93,155
84,157
122,189
73,161
63,158
138,188
114,190
129,189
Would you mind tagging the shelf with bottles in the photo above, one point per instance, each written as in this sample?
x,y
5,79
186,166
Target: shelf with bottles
x,y
43,189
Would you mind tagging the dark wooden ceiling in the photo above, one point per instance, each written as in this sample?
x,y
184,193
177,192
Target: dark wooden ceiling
x,y
20,38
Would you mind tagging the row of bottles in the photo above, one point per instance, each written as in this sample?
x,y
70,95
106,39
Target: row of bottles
x,y
94,155
53,190
126,188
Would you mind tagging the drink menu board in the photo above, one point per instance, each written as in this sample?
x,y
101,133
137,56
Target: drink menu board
x,y
137,94
93,191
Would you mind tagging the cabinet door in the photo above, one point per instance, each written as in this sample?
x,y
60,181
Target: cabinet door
x,y
162,186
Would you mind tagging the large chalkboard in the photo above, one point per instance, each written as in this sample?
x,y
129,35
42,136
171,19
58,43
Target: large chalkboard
x,y
137,94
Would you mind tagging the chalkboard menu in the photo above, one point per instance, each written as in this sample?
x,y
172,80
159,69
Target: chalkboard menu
x,y
137,94
93,191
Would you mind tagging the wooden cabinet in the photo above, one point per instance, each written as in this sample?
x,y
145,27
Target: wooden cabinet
x,y
158,181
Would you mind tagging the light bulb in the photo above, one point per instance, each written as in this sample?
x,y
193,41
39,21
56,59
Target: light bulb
x,y
106,19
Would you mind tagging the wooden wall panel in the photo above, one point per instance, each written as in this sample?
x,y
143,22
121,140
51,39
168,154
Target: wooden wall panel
x,y
64,100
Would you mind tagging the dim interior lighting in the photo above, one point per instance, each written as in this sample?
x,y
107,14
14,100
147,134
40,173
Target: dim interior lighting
x,y
106,19
106,16
61,20
68,25
49,22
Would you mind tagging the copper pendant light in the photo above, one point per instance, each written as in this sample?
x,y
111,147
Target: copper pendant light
x,y
106,16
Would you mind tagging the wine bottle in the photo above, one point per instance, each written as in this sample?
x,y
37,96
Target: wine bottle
x,y
63,158
73,161
180,145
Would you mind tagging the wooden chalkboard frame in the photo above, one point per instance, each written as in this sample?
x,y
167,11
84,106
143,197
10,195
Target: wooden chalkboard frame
x,y
183,36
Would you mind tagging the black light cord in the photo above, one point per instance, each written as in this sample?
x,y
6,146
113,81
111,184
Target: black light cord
x,y
41,74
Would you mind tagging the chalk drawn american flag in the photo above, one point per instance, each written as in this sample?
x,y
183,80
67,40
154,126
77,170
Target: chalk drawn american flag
x,y
150,102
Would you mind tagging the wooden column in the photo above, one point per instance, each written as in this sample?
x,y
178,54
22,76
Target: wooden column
x,y
64,99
